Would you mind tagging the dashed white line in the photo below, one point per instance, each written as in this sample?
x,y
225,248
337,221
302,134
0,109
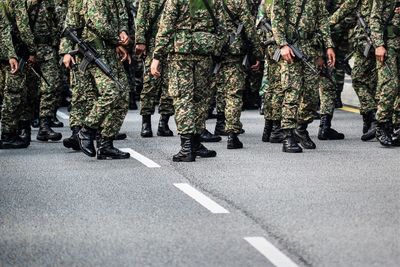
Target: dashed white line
x,y
202,199
62,115
274,255
139,157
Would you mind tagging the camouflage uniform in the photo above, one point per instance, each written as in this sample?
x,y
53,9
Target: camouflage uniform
x,y
101,105
11,90
299,83
187,25
385,28
231,77
154,89
363,75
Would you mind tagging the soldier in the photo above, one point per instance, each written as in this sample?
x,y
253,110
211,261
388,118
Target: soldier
x,y
300,20
104,27
231,76
363,75
154,89
10,90
38,26
385,29
189,35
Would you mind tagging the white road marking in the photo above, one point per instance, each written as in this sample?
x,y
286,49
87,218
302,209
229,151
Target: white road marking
x,y
139,157
273,254
62,115
202,199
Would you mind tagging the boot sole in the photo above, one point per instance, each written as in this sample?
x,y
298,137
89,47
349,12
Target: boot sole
x,y
111,157
184,160
216,140
164,135
146,135
292,151
46,139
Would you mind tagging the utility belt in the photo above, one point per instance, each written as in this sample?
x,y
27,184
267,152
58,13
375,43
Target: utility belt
x,y
392,31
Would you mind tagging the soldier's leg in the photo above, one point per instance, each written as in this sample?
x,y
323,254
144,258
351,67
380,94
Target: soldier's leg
x,y
48,99
291,77
218,84
234,82
396,122
266,94
11,110
388,87
148,98
166,108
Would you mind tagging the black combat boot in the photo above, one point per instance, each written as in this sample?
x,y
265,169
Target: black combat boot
x,y
146,126
163,128
234,142
73,141
277,135
200,150
207,137
55,123
132,101
25,131
267,131
106,150
120,136
12,141
186,154
46,133
370,124
326,132
303,137
220,125
86,137
289,142
396,136
383,134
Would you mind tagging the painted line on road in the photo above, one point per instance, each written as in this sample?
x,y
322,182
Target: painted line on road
x,y
139,157
62,115
202,199
274,255
350,109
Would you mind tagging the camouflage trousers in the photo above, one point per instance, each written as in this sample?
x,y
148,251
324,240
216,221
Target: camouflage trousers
x,y
230,82
84,94
327,95
342,50
364,78
273,92
155,90
189,87
31,99
13,93
388,84
111,106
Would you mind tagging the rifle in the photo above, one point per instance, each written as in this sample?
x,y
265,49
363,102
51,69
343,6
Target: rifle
x,y
367,34
23,64
266,26
90,57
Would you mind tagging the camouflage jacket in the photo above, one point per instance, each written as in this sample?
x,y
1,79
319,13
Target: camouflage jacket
x,y
384,23
7,48
147,20
313,21
240,10
97,21
186,26
350,7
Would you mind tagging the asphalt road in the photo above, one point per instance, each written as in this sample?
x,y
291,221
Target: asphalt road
x,y
336,206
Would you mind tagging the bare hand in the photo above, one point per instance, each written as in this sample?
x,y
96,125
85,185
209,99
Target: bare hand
x,y
155,68
123,54
287,54
380,54
330,54
124,38
397,10
13,65
140,49
256,67
68,61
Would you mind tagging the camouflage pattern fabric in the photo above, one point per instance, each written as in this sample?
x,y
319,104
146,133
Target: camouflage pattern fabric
x,y
300,85
385,28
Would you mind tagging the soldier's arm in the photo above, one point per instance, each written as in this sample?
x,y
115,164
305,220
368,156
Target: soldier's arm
x,y
5,37
249,25
22,19
278,16
142,22
167,28
344,10
123,17
324,26
72,21
376,23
